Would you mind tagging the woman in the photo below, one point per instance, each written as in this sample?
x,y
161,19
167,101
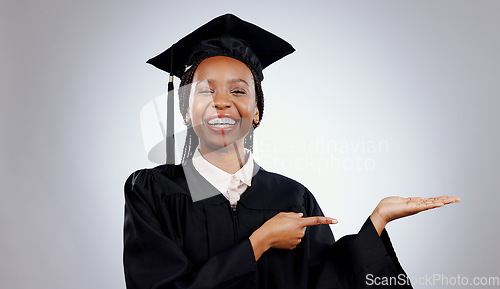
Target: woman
x,y
219,220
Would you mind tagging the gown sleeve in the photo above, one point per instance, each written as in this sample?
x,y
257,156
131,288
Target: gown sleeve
x,y
362,260
152,259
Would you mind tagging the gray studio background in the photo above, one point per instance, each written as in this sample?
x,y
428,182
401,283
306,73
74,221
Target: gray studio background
x,y
405,94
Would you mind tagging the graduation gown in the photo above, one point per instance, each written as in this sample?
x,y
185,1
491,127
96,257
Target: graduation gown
x,y
172,242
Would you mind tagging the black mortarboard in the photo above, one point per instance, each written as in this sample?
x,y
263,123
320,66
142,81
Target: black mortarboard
x,y
226,35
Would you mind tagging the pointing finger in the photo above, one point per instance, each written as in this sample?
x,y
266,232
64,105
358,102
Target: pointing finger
x,y
312,221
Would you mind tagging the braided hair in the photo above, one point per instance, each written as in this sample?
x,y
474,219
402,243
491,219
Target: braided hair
x,y
192,140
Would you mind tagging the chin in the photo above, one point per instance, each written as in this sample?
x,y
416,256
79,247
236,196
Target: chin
x,y
221,141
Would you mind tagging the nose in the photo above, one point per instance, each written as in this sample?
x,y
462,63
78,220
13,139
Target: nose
x,y
221,101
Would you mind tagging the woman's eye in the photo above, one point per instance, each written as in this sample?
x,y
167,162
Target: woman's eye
x,y
204,91
237,91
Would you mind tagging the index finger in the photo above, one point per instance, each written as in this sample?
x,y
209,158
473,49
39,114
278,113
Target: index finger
x,y
313,221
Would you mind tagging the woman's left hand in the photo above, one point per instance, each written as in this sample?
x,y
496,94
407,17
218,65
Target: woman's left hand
x,y
392,208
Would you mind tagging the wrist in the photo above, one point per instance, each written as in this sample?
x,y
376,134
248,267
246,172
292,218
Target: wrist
x,y
260,243
378,222
262,238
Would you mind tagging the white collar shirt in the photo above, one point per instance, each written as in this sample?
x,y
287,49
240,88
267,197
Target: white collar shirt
x,y
232,186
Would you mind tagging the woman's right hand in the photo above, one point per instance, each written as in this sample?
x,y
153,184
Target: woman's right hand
x,y
284,231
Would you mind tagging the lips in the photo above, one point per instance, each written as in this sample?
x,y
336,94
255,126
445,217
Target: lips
x,y
221,123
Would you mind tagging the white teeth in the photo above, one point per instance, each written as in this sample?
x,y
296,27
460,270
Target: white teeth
x,y
221,125
222,122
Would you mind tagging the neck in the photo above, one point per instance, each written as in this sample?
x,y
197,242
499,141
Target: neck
x,y
229,159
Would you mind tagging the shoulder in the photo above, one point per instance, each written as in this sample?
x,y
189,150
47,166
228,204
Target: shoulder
x,y
142,176
158,180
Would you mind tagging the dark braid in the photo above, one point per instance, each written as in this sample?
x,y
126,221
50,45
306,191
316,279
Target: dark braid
x,y
192,140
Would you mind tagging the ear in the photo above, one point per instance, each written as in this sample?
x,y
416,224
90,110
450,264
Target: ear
x,y
256,115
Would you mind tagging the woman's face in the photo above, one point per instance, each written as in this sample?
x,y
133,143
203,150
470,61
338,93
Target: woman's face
x,y
222,104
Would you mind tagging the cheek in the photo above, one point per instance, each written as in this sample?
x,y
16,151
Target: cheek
x,y
246,109
197,108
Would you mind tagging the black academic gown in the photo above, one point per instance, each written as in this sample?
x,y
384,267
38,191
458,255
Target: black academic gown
x,y
172,242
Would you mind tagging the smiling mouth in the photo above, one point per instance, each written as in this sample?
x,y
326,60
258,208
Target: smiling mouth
x,y
221,123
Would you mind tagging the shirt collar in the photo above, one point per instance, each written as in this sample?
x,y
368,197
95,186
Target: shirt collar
x,y
219,178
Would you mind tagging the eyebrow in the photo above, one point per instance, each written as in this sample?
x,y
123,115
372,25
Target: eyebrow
x,y
234,80
237,80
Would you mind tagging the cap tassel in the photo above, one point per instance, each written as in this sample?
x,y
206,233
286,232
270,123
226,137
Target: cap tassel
x,y
170,122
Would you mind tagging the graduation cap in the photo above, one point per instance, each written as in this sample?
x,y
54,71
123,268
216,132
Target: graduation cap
x,y
226,35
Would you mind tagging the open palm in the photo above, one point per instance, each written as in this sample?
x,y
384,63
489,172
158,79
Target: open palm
x,y
392,208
